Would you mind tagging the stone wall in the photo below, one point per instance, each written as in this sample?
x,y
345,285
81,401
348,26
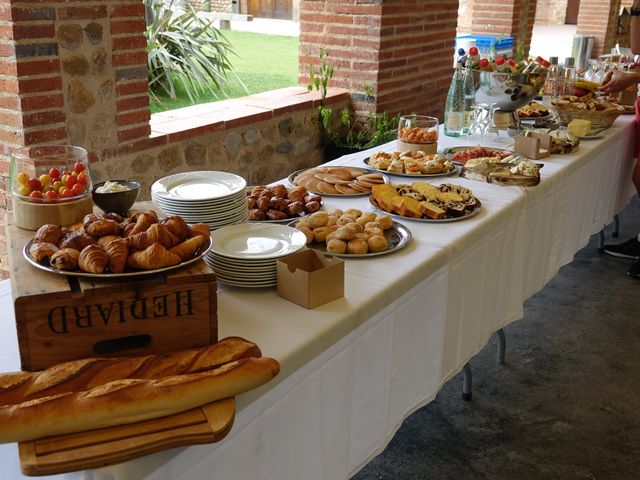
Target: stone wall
x,y
551,12
223,6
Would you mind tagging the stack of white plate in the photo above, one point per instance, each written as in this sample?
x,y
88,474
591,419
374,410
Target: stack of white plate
x,y
214,198
245,255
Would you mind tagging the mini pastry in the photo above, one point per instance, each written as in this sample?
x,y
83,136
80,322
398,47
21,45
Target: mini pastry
x,y
320,233
117,253
107,239
377,243
385,221
102,227
336,246
76,240
89,218
307,233
93,259
188,248
318,219
354,212
48,233
65,259
153,257
345,233
357,246
42,250
355,227
200,229
143,222
176,225
366,218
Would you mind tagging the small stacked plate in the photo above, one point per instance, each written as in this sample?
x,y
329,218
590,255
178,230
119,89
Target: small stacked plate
x,y
245,255
214,198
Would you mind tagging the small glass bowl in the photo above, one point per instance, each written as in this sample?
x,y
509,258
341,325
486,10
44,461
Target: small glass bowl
x,y
418,132
32,169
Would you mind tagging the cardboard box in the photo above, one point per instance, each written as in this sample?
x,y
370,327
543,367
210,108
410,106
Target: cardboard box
x,y
310,279
535,146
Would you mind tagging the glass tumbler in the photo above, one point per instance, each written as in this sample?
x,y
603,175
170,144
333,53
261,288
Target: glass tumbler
x,y
418,133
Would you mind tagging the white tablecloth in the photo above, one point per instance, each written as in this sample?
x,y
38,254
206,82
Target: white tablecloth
x,y
353,369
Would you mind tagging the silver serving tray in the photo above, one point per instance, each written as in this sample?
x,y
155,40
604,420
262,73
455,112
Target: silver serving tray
x,y
472,213
422,175
398,237
291,179
137,273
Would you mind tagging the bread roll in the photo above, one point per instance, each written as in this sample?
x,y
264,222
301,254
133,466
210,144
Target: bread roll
x,y
385,221
354,212
357,246
318,219
336,246
345,233
377,243
131,400
320,234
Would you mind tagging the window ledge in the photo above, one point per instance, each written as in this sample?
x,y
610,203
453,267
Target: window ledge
x,y
196,120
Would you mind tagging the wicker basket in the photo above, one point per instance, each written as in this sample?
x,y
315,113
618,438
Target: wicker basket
x,y
598,118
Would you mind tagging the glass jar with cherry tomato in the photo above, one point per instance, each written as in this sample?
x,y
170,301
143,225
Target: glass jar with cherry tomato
x,y
50,173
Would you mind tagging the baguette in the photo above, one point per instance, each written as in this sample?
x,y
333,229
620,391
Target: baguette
x,y
130,400
79,375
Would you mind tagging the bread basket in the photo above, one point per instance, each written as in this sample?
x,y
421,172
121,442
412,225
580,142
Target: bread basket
x,y
598,118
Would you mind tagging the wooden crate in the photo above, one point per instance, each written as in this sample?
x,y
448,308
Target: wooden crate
x,y
61,318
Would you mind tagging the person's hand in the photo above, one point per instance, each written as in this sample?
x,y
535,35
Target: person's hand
x,y
618,81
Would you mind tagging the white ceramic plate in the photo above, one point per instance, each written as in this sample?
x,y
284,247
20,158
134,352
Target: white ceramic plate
x,y
234,283
133,273
256,241
216,203
198,186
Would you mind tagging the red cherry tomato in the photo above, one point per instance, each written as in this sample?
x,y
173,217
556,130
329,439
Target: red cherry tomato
x,y
484,63
83,177
511,62
54,173
78,189
51,194
66,194
34,184
66,172
79,167
36,194
499,60
473,51
71,181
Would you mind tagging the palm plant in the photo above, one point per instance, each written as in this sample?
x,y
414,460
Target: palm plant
x,y
184,50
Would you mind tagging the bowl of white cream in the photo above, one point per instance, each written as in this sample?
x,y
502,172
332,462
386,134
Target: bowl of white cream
x,y
115,195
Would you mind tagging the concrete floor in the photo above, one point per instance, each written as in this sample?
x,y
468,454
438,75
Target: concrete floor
x,y
565,405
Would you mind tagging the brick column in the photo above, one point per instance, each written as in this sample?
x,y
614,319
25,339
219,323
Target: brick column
x,y
402,49
511,18
599,19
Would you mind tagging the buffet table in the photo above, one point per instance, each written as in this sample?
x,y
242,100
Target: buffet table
x,y
353,369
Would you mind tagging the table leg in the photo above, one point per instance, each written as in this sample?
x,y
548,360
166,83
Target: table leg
x,y
466,382
616,226
502,346
601,241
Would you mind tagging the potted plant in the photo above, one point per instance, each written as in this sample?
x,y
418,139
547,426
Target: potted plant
x,y
348,133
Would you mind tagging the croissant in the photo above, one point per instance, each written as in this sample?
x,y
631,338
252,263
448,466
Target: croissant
x,y
42,250
143,222
156,233
200,229
102,227
154,216
177,226
65,259
107,239
48,233
117,252
153,257
187,249
93,259
76,240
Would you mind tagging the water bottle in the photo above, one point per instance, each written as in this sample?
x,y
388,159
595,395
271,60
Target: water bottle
x,y
550,83
469,98
454,110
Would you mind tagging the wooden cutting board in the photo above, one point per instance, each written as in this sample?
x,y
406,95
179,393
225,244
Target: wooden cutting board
x,y
97,448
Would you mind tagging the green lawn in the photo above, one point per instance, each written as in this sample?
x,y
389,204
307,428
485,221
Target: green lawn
x,y
262,62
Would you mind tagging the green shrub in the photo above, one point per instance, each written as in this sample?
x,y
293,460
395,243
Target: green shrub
x,y
184,50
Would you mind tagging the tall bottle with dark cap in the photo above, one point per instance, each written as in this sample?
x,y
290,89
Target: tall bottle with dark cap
x,y
551,83
568,76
